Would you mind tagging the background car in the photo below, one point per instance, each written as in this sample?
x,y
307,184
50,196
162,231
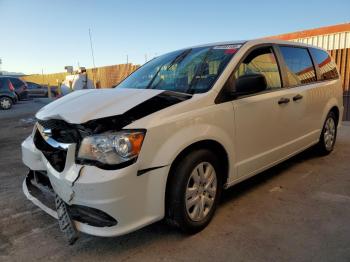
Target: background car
x,y
8,96
37,90
19,85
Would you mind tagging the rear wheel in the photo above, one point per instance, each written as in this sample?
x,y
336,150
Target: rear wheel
x,y
328,135
194,187
5,103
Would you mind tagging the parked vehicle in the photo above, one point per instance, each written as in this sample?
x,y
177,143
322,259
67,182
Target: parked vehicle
x,y
176,132
37,90
8,96
19,85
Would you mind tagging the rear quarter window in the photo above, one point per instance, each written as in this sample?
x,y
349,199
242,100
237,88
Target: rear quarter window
x,y
16,82
300,69
327,67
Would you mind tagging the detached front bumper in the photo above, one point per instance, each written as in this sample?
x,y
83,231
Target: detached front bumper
x,y
121,195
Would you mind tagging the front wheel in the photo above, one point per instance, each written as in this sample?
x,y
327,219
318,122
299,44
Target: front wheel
x,y
194,187
5,103
328,135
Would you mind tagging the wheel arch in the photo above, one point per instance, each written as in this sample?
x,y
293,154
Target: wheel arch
x,y
210,144
1,96
331,106
335,109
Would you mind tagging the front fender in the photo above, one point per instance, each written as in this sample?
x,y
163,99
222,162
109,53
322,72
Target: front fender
x,y
164,142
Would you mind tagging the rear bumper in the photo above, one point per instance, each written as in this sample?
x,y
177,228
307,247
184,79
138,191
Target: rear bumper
x,y
133,201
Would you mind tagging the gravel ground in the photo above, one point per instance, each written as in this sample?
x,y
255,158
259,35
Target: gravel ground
x,y
297,211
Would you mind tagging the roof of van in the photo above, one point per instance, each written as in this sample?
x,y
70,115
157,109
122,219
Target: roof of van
x,y
255,42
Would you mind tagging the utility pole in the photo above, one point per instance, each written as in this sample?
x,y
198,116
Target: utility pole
x,y
127,59
96,82
92,49
0,66
145,58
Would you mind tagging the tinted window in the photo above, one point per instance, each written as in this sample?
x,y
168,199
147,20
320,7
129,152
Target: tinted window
x,y
16,82
261,61
33,86
327,66
300,69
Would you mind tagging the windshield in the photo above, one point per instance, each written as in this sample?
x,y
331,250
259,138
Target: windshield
x,y
190,71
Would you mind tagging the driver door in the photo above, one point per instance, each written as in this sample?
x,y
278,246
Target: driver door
x,y
263,120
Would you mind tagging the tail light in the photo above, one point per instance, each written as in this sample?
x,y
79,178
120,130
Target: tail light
x,y
11,88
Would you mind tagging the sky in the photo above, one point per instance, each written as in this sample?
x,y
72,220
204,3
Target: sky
x,y
41,35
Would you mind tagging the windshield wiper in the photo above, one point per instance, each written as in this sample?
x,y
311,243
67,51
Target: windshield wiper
x,y
197,72
177,59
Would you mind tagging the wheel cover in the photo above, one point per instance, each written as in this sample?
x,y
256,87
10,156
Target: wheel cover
x,y
201,191
329,133
5,103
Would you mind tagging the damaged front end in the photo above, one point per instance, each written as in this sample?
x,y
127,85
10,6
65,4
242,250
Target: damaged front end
x,y
58,143
87,172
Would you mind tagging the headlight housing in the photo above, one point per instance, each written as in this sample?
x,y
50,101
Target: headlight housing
x,y
111,148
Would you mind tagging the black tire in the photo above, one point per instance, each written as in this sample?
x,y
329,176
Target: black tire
x,y
323,148
180,176
5,103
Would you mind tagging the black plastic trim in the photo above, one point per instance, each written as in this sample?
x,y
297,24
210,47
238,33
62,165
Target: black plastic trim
x,y
91,216
104,166
146,170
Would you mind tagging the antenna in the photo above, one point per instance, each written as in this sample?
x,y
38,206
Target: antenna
x,y
92,49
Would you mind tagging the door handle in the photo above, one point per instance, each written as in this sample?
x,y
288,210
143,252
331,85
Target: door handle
x,y
283,100
297,97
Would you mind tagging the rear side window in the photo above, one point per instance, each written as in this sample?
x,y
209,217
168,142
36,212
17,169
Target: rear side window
x,y
327,66
16,82
33,86
300,69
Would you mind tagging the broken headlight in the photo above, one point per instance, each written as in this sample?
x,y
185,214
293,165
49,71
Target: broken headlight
x,y
112,148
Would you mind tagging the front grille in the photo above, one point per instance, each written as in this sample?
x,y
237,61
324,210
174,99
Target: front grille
x,y
55,156
53,124
39,186
62,131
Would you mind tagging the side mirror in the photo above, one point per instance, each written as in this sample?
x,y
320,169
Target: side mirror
x,y
250,84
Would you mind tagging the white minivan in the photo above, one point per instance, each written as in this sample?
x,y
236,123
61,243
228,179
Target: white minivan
x,y
169,138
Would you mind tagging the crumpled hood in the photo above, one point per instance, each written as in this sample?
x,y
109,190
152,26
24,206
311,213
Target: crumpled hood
x,y
84,105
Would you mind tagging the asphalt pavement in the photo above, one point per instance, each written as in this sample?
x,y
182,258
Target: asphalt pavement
x,y
297,211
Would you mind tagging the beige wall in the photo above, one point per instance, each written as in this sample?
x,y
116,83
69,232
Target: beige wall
x,y
107,75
